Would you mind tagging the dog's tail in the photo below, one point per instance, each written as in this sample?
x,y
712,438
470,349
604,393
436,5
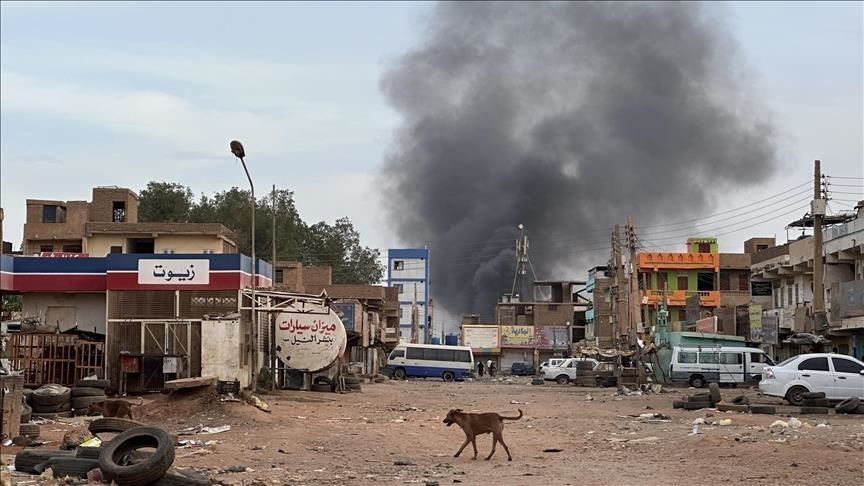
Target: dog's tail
x,y
138,404
514,418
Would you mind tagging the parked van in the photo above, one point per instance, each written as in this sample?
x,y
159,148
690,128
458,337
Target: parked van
x,y
699,365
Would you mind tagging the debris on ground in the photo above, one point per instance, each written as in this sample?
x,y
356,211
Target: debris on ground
x,y
200,429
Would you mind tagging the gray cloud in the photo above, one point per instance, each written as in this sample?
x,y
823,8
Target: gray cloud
x,y
565,117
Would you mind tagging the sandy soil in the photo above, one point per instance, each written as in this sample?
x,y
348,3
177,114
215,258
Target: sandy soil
x,y
362,437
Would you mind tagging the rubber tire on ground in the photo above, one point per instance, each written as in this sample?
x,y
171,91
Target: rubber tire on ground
x,y
27,459
87,391
84,402
63,407
52,415
399,373
322,380
732,407
30,430
88,452
103,384
537,381
354,386
714,392
850,405
25,394
26,413
320,388
811,395
562,379
448,376
763,409
689,405
349,379
816,402
75,467
814,410
143,472
38,400
173,478
860,410
741,400
112,424
699,397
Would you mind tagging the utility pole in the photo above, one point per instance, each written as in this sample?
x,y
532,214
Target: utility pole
x,y
634,299
818,211
415,325
273,314
521,261
620,306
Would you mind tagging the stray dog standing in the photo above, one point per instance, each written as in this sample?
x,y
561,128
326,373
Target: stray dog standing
x,y
113,407
474,424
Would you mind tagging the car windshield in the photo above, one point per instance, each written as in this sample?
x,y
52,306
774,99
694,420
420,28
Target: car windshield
x,y
786,361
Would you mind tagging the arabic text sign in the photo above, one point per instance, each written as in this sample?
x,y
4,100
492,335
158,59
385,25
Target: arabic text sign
x,y
480,337
517,336
551,337
707,325
309,340
755,311
173,272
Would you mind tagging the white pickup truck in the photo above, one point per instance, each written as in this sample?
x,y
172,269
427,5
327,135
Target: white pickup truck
x,y
566,372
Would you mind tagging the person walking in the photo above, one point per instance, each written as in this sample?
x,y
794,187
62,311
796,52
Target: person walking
x,y
480,369
492,369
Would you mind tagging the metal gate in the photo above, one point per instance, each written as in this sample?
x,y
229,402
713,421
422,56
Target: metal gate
x,y
45,358
165,350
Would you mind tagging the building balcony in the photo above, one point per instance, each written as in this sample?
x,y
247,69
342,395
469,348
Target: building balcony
x,y
678,261
707,298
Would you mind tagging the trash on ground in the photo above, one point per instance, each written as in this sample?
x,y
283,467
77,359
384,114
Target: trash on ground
x,y
780,423
552,450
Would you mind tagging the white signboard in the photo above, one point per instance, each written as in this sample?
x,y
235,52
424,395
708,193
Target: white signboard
x,y
173,272
310,340
480,337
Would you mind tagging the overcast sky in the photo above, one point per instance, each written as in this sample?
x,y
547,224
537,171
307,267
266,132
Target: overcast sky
x,y
122,94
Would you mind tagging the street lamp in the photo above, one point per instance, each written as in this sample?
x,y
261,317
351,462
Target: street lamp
x,y
237,150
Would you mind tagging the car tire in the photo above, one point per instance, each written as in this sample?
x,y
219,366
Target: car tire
x,y
814,410
763,409
732,407
103,384
690,405
399,373
87,391
112,424
812,395
31,431
448,376
816,402
741,400
795,395
26,460
39,400
537,381
850,405
859,410
75,467
714,392
562,379
697,381
322,380
144,472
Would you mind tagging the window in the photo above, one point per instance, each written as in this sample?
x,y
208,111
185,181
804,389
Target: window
x,y
684,357
789,293
846,366
662,279
399,288
682,315
705,281
709,358
743,282
758,358
704,247
116,249
279,275
682,282
49,213
761,247
414,353
46,248
814,364
118,211
430,354
796,294
400,312
73,248
398,265
731,358
397,353
463,356
725,282
446,355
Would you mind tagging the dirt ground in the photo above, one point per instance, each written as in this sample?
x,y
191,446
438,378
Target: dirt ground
x,y
392,433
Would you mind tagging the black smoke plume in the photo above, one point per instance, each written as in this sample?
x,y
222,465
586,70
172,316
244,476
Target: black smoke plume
x,y
565,117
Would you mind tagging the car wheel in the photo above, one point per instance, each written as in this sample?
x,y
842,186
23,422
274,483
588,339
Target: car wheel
x,y
399,373
562,379
795,395
447,376
696,381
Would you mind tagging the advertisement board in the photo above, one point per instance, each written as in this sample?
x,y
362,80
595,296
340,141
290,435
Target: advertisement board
x,y
551,337
755,313
517,336
175,272
482,339
309,339
707,325
345,310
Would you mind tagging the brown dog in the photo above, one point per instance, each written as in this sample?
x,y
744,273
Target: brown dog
x,y
113,407
474,424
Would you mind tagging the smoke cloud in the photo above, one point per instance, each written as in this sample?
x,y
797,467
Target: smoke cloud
x,y
567,118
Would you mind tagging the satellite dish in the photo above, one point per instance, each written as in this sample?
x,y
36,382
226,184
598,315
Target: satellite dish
x,y
310,340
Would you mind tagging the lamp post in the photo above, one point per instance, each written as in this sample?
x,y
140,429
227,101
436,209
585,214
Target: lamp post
x,y
237,150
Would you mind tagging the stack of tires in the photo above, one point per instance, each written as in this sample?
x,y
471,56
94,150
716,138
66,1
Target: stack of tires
x,y
815,403
352,381
148,466
87,392
698,401
51,401
850,405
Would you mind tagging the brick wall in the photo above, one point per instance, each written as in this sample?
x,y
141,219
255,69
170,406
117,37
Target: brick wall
x,y
102,204
551,314
317,276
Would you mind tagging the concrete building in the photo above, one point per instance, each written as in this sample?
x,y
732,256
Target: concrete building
x,y
598,316
109,224
408,271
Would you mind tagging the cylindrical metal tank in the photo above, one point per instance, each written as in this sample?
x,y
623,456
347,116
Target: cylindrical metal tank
x,y
436,340
451,340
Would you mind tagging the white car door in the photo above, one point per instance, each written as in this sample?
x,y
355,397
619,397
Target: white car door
x,y
849,382
818,376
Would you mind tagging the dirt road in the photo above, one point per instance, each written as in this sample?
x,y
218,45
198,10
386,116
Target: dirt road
x,y
392,433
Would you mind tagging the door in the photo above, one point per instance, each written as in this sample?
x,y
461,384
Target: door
x,y
848,380
756,362
816,374
731,367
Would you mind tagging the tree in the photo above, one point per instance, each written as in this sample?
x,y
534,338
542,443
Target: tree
x,y
164,202
339,247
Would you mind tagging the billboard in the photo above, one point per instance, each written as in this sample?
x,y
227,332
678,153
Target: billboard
x,y
551,337
517,336
755,313
770,325
481,339
345,310
175,272
707,325
309,339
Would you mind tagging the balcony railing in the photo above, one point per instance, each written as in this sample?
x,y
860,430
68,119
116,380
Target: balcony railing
x,y
708,298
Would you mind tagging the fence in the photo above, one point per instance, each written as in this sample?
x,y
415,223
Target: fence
x,y
46,358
